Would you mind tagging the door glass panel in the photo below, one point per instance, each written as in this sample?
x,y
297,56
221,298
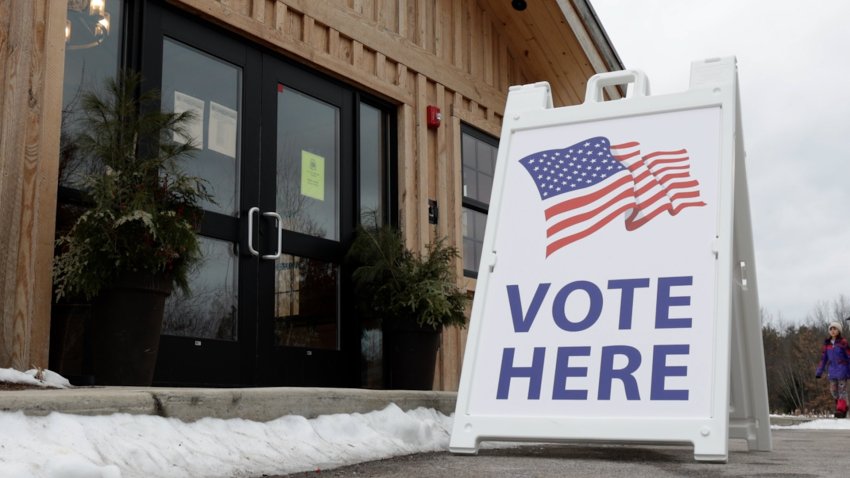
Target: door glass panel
x,y
212,89
92,53
371,355
372,160
209,310
307,164
473,224
306,307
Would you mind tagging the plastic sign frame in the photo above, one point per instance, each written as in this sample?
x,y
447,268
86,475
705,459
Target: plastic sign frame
x,y
609,325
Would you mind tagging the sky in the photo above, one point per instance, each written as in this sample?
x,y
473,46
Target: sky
x,y
120,445
791,67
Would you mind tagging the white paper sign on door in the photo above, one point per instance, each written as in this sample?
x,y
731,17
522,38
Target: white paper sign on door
x,y
223,129
194,127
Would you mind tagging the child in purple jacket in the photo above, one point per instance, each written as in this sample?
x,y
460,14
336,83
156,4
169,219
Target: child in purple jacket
x,y
835,358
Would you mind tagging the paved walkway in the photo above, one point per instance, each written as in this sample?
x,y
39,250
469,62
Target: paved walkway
x,y
797,453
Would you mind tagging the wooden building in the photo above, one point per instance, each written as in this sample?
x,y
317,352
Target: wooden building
x,y
399,101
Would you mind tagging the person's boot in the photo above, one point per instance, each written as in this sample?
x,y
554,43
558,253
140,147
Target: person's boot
x,y
840,408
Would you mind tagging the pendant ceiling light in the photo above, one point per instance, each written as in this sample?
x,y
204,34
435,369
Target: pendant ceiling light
x,y
87,24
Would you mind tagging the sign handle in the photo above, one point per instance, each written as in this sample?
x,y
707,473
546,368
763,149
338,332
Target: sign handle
x,y
597,82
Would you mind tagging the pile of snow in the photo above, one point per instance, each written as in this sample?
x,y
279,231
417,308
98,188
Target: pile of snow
x,y
49,379
126,446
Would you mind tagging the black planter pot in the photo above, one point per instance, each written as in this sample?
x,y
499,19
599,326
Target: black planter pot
x,y
410,354
126,323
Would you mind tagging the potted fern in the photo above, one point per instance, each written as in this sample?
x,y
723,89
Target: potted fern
x,y
137,238
413,295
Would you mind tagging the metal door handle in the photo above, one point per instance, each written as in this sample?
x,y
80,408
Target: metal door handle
x,y
279,224
251,213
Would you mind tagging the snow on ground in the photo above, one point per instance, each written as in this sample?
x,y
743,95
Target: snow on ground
x,y
126,446
818,424
49,380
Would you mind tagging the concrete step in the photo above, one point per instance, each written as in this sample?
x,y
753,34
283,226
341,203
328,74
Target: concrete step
x,y
189,404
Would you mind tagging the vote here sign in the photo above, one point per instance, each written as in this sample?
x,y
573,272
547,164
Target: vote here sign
x,y
601,301
607,307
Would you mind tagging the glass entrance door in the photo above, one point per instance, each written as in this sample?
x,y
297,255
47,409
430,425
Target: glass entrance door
x,y
209,335
311,155
268,303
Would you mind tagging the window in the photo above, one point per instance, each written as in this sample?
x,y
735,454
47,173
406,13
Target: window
x,y
215,97
93,40
375,178
93,53
376,189
209,310
478,153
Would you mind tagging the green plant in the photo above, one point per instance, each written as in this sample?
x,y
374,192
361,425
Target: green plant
x,y
144,211
394,283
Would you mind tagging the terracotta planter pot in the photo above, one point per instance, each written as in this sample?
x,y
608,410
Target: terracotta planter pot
x,y
126,323
411,355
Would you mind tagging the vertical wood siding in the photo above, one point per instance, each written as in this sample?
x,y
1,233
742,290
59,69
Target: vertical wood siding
x,y
31,68
459,55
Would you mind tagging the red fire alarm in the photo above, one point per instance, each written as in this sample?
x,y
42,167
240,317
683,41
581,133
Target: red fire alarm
x,y
434,117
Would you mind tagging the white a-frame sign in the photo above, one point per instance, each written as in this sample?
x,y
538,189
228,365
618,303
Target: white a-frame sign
x,y
616,296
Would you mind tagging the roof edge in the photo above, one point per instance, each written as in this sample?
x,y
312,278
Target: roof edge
x,y
595,42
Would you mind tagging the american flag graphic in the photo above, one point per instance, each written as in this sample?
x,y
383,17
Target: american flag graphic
x,y
585,186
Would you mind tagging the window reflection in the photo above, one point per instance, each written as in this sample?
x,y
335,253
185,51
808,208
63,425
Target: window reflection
x,y
209,310
306,309
87,24
372,165
86,69
371,355
479,164
473,224
478,152
307,162
211,88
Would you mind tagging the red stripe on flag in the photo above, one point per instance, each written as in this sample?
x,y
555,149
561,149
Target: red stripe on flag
x,y
646,188
659,172
564,241
670,177
578,202
681,206
667,153
660,163
579,218
682,185
632,223
623,157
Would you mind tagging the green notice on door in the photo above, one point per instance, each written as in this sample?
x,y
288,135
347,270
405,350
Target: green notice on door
x,y
312,175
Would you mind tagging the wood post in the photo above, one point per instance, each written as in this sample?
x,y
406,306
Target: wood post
x,y
32,49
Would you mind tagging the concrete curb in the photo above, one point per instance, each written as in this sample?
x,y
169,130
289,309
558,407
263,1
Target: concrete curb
x,y
257,404
190,404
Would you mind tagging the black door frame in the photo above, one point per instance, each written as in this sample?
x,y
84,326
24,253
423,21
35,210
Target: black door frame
x,y
253,359
306,366
188,360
